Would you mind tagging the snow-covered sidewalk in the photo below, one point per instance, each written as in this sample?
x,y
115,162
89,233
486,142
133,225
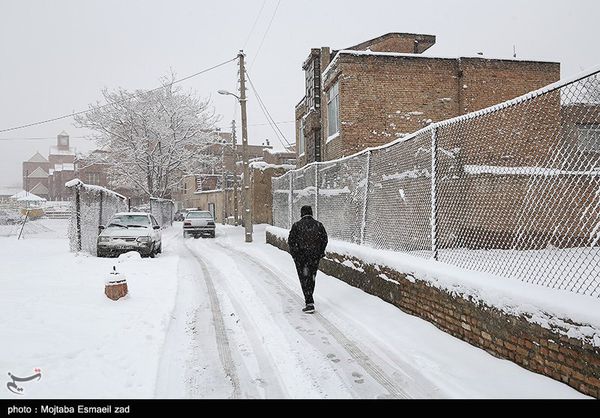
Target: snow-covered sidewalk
x,y
249,339
55,317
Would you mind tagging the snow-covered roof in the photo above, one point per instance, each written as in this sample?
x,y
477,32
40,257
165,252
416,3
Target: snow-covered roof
x,y
39,189
37,158
54,150
63,133
27,196
38,173
409,55
131,213
261,165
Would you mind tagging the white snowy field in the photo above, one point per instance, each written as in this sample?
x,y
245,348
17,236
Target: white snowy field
x,y
220,318
55,317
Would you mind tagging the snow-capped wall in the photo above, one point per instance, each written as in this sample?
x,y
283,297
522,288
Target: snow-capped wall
x,y
556,333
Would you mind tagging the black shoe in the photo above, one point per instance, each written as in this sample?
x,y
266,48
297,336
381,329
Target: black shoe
x,y
309,308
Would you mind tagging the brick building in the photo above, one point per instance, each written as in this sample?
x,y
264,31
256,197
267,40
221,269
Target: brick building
x,y
382,89
46,177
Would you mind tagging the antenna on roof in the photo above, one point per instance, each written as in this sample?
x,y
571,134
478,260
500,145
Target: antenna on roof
x,y
514,51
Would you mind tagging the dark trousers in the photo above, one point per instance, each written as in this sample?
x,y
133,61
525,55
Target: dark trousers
x,y
307,271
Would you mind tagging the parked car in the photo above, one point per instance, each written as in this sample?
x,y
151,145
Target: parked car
x,y
130,231
198,223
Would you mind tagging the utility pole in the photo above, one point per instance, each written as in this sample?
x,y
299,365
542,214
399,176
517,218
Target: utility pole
x,y
224,184
235,176
246,216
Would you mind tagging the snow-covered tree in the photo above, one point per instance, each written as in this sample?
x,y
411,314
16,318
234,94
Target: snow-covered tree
x,y
152,138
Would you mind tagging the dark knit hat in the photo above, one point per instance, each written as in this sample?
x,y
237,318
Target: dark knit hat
x,y
305,210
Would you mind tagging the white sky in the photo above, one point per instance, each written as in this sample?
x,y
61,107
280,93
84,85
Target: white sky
x,y
57,55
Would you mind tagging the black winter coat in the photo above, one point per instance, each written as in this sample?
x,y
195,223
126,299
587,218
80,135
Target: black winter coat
x,y
307,239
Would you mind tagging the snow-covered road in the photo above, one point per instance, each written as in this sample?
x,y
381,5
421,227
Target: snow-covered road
x,y
220,318
238,332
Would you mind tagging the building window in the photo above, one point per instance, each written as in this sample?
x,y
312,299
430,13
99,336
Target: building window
x,y
588,138
301,138
310,87
93,178
333,110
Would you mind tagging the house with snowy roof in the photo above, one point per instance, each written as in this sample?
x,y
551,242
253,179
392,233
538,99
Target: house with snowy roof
x,y
45,177
382,89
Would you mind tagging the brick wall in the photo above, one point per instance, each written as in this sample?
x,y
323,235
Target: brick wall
x,y
385,97
541,350
262,194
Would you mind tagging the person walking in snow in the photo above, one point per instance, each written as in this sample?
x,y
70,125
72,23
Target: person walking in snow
x,y
307,242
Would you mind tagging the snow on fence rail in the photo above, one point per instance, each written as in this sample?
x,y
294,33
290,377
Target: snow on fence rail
x,y
92,206
512,190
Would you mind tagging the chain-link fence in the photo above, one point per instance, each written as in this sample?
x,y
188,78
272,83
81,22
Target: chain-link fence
x,y
163,211
513,190
92,206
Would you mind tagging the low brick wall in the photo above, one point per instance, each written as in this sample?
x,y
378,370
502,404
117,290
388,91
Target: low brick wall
x,y
541,350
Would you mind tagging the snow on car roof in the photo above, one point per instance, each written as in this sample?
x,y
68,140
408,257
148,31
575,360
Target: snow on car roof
x,y
131,213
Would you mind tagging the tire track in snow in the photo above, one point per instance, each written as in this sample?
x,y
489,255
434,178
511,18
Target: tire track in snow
x,y
221,333
352,348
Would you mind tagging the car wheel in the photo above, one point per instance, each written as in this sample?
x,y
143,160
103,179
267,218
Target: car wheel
x,y
152,252
212,235
159,250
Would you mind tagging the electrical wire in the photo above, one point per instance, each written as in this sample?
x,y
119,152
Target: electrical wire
x,y
268,115
113,103
265,34
254,25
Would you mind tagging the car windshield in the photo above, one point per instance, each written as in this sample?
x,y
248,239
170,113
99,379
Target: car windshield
x,y
130,221
202,215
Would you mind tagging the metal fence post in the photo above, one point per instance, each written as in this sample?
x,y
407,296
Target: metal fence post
x,y
100,211
363,226
78,218
434,244
290,203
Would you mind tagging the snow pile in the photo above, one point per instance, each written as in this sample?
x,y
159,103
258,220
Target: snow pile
x,y
550,308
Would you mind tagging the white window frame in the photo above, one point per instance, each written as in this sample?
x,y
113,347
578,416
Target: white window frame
x,y
333,111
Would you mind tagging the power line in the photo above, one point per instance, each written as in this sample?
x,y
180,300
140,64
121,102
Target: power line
x,y
38,138
276,123
267,114
254,25
265,34
113,103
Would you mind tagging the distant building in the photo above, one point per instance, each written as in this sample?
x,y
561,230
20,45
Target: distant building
x,y
46,177
382,89
35,172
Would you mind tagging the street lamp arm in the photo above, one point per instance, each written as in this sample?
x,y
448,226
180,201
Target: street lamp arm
x,y
227,93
